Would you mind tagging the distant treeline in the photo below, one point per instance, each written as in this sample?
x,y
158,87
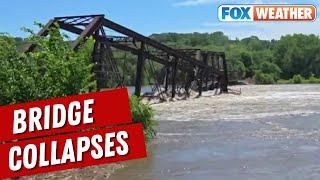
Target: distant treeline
x,y
267,62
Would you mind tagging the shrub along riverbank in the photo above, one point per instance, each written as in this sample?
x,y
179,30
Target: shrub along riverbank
x,y
143,113
54,70
261,78
298,79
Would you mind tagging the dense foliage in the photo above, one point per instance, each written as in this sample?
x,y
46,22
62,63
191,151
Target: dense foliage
x,y
143,113
265,61
53,70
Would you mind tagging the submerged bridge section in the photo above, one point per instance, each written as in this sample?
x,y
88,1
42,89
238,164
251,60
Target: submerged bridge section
x,y
189,68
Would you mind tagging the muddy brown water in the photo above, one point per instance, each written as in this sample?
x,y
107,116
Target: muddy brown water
x,y
269,132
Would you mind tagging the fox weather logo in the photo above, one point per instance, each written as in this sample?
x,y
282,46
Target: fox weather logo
x,y
267,12
235,13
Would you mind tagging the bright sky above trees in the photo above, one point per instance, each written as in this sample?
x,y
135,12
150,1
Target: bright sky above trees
x,y
151,16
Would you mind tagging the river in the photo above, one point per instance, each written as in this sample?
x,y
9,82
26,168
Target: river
x,y
268,132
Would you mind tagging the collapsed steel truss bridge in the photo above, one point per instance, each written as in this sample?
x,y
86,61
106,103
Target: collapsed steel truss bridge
x,y
206,69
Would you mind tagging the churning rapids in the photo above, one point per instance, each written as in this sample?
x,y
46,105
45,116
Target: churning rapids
x,y
268,132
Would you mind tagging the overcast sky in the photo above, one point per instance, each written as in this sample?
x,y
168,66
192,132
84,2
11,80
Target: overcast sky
x,y
152,16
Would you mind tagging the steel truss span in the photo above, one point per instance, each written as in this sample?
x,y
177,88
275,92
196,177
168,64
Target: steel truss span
x,y
206,69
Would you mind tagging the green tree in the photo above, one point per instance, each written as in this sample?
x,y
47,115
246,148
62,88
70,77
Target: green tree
x,y
262,78
271,69
293,54
246,58
53,70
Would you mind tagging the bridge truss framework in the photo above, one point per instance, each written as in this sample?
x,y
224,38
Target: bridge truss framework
x,y
203,67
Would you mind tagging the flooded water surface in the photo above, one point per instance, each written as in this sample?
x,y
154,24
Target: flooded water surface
x,y
268,132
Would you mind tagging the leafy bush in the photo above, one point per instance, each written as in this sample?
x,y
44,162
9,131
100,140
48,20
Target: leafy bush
x,y
262,78
313,80
240,68
270,68
53,70
143,113
284,81
297,79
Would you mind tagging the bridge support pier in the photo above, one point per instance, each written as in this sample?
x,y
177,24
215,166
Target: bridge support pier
x,y
99,59
205,57
190,77
200,82
139,71
215,76
224,79
174,75
166,81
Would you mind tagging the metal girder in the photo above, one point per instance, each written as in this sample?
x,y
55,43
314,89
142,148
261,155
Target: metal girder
x,y
139,70
136,52
174,76
151,55
43,32
93,26
77,30
224,86
149,41
69,27
121,29
84,16
148,55
185,60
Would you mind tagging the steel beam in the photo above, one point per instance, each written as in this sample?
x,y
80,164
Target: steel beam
x,y
166,81
189,79
136,52
205,57
43,32
225,79
183,60
84,16
69,27
146,40
174,71
200,83
92,27
139,71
